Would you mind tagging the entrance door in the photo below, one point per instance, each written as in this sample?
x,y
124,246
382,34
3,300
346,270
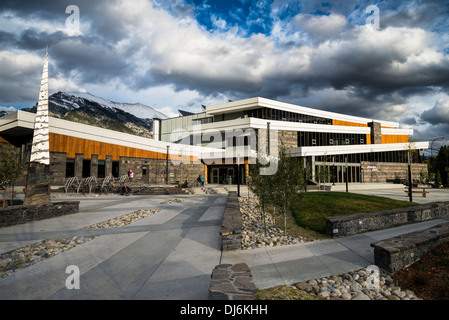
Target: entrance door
x,y
230,178
215,176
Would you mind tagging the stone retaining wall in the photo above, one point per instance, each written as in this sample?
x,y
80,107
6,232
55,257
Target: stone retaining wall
x,y
393,254
231,225
340,226
232,282
22,214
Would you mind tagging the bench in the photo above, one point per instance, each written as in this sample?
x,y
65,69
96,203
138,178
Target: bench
x,y
423,192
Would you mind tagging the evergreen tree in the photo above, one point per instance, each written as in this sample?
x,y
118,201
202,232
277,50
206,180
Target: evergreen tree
x,y
10,167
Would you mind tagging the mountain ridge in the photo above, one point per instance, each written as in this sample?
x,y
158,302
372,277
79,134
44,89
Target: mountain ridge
x,y
89,109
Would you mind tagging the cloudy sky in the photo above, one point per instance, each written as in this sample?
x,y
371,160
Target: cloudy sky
x,y
181,54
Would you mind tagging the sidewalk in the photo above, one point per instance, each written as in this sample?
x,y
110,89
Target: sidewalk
x,y
166,256
170,255
289,264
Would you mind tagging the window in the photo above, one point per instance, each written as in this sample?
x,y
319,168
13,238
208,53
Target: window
x,y
69,168
86,168
115,168
101,169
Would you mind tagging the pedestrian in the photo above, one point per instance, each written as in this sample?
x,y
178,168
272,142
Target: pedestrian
x,y
202,180
130,175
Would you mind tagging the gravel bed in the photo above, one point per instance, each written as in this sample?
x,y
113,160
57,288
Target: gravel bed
x,y
24,257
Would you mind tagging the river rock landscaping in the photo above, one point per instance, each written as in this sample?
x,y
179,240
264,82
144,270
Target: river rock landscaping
x,y
355,286
254,225
24,257
349,286
172,201
124,219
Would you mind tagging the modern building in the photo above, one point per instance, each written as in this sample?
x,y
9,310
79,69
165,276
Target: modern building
x,y
214,142
79,150
373,150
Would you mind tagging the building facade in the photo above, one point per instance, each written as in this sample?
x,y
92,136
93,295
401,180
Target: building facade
x,y
222,142
78,150
372,150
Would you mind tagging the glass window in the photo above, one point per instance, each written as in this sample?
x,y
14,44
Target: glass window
x,y
101,169
86,168
69,168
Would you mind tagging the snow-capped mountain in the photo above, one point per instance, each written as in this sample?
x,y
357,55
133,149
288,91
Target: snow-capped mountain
x,y
6,110
89,109
137,109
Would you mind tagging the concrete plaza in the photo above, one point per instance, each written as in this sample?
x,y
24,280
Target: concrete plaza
x,y
170,255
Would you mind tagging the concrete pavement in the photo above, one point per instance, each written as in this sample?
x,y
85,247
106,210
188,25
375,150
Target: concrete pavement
x,y
170,255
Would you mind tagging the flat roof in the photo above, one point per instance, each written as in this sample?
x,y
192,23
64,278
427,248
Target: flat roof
x,y
257,102
21,123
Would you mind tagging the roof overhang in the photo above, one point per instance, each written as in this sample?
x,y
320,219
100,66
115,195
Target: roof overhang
x,y
258,102
350,149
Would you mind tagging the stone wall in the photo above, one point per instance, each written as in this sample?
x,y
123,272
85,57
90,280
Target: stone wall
x,y
393,254
231,225
340,226
157,170
232,282
57,166
26,213
376,132
390,171
288,139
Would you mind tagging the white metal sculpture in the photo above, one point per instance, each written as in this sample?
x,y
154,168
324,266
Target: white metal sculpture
x,y
40,150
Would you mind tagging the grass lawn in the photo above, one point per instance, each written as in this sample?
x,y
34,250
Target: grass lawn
x,y
311,208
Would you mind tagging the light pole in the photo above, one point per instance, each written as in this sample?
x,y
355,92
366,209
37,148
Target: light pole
x,y
410,187
238,175
431,145
333,171
166,172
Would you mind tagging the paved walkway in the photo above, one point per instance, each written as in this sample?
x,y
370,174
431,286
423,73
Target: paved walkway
x,y
170,255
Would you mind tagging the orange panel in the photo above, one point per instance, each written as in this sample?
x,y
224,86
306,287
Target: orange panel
x,y
347,123
71,146
394,139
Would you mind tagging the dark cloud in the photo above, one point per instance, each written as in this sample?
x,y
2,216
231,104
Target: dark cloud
x,y
439,114
321,56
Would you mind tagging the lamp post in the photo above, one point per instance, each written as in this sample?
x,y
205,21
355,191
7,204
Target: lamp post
x,y
346,173
166,170
333,171
431,145
238,175
410,187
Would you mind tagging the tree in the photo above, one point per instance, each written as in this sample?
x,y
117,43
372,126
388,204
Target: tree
x,y
280,188
260,186
10,167
286,183
323,171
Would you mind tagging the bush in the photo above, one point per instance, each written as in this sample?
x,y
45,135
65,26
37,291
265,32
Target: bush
x,y
443,286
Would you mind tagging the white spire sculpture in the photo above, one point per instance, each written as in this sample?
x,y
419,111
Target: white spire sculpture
x,y
38,180
40,150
